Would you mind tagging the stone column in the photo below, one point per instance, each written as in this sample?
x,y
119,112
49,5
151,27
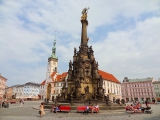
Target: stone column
x,y
84,39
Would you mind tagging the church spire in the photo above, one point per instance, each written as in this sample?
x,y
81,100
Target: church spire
x,y
53,55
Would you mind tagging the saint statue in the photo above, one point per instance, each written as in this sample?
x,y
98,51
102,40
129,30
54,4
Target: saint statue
x,y
87,89
101,82
70,65
75,51
84,14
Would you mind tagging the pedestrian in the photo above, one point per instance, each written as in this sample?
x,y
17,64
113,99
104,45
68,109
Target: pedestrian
x,y
41,109
21,102
86,110
3,104
146,102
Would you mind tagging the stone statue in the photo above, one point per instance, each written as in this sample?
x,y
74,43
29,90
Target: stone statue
x,y
87,89
85,10
107,100
77,83
100,82
64,84
75,51
70,65
90,49
97,66
81,72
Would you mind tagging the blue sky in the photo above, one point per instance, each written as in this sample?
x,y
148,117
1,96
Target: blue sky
x,y
124,36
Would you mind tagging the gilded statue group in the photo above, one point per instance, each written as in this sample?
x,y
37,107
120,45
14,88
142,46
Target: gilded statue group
x,y
84,14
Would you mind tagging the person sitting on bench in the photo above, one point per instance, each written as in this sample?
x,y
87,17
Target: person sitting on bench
x,y
96,108
54,108
87,109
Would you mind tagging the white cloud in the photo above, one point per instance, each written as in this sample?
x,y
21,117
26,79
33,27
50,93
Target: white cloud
x,y
132,53
27,33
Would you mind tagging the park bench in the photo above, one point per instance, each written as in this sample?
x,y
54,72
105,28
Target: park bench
x,y
64,108
83,108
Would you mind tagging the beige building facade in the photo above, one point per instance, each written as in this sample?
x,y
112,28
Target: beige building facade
x,y
8,92
111,86
3,81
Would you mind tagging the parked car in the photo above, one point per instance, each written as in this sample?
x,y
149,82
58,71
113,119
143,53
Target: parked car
x,y
29,98
12,102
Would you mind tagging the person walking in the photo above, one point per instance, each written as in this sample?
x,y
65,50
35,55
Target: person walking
x,y
146,102
3,104
41,109
21,102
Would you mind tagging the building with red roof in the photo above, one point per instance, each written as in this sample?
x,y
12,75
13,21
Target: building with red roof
x,y
111,85
58,82
42,90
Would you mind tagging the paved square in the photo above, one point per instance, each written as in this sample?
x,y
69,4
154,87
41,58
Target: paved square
x,y
26,112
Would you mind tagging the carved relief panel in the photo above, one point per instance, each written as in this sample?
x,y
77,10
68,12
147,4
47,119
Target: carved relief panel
x,y
87,80
87,69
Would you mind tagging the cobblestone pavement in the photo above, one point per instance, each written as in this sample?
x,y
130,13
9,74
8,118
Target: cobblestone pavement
x,y
26,112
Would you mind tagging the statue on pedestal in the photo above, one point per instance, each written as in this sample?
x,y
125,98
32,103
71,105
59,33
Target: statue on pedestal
x,y
70,65
87,89
75,51
84,14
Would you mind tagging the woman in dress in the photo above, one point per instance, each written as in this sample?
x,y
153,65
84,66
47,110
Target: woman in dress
x,y
42,109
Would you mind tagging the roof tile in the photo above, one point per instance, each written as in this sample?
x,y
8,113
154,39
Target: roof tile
x,y
43,83
107,76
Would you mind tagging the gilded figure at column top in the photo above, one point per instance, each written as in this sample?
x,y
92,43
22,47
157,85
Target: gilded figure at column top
x,y
84,13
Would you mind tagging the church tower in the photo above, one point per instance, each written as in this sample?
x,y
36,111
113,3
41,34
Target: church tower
x,y
84,81
51,68
52,62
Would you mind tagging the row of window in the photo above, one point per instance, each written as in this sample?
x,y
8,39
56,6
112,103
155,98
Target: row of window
x,y
138,85
139,94
139,90
2,84
157,91
31,87
42,86
111,84
31,90
29,94
158,95
58,84
57,91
